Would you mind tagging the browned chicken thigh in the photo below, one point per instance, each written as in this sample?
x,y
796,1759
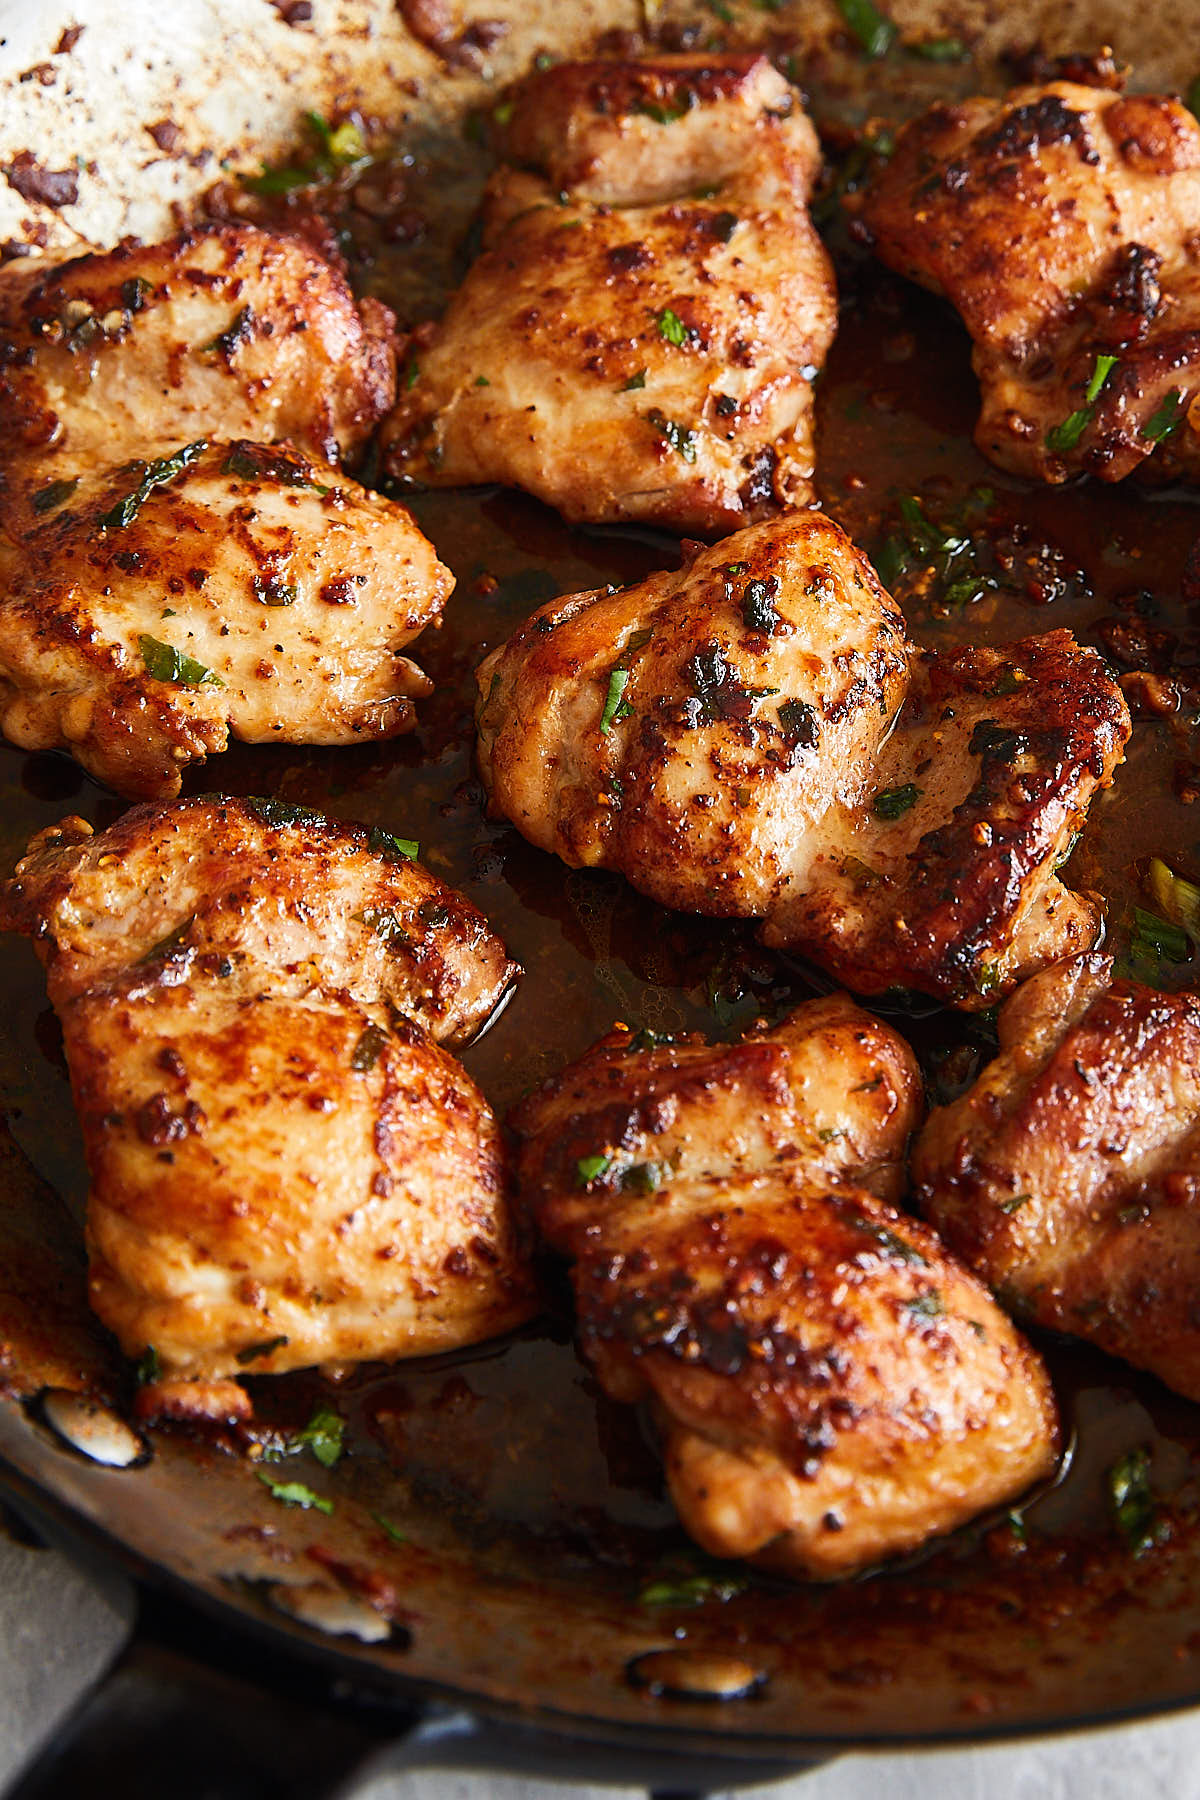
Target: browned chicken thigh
x,y
639,336
1063,222
180,557
287,1166
1069,1175
754,736
830,1387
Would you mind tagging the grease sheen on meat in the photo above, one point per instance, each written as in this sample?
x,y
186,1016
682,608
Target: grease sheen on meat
x,y
1063,222
639,336
754,736
180,557
287,1166
830,1386
1069,1174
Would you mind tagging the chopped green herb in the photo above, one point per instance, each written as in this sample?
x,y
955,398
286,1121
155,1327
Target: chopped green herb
x,y
1176,898
270,462
1152,938
1007,682
502,114
1192,98
165,663
149,1368
635,381
671,327
720,10
681,440
411,374
940,50
255,1352
855,870
47,498
615,707
1067,435
368,1049
893,803
277,813
235,333
392,849
1167,419
340,150
294,1493
323,1436
691,1590
482,381
759,612
641,1178
926,1306
829,1134
874,32
390,1530
156,474
799,723
738,568
270,591
685,100
382,922
1015,1204
590,1168
889,1241
433,914
1131,1501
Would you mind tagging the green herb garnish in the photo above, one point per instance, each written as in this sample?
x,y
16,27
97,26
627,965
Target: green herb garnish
x,y
47,498
156,474
671,327
1131,1502
590,1168
893,803
889,1241
392,849
1067,435
294,1493
692,1590
875,33
1166,420
1014,1204
253,1352
635,381
681,440
940,50
165,663
322,1435
615,706
339,150
148,1368
390,1530
367,1049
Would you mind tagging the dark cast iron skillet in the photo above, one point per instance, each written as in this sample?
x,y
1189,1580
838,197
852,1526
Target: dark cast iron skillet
x,y
499,1530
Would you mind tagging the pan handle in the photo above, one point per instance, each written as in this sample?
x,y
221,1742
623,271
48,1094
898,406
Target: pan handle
x,y
193,1710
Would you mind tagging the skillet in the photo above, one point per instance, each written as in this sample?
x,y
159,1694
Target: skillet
x,y
500,1578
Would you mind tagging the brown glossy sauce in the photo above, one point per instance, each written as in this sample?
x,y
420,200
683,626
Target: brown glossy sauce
x,y
513,1444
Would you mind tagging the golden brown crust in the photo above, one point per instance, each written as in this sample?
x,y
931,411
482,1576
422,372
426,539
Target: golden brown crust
x,y
639,335
286,1167
1069,1175
1061,222
830,1386
773,747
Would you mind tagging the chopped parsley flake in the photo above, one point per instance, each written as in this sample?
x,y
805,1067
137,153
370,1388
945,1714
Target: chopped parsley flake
x,y
294,1493
1167,419
255,1352
1131,1502
681,440
875,33
637,380
48,498
616,707
392,849
156,474
149,1368
590,1168
893,803
1015,1203
671,327
1067,435
926,1306
322,1435
367,1049
165,663
390,1530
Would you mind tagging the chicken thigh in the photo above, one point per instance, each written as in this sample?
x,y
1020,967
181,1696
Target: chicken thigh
x,y
830,1387
1069,1175
180,557
639,335
1062,221
287,1165
754,736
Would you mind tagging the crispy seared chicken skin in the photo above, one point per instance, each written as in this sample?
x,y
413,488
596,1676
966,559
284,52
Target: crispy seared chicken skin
x,y
639,336
753,736
1062,221
180,557
287,1165
830,1387
1069,1175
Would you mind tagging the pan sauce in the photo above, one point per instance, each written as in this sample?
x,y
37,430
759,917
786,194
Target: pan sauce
x,y
509,1454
